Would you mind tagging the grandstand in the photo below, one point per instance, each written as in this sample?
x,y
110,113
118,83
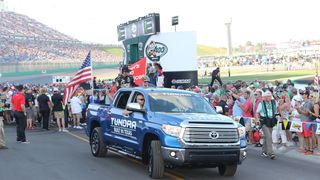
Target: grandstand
x,y
25,40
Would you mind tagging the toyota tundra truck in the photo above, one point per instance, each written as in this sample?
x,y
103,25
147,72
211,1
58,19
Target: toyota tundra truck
x,y
171,128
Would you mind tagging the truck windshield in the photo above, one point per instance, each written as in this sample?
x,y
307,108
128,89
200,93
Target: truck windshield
x,y
179,103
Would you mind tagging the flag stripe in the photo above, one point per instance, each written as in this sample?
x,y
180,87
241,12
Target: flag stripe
x,y
83,75
79,78
83,70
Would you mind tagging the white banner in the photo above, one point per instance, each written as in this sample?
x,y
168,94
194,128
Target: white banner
x,y
160,81
296,126
175,51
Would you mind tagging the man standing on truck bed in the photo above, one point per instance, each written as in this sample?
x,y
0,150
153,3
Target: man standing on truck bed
x,y
125,79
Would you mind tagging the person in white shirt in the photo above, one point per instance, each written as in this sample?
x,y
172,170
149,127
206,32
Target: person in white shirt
x,y
76,109
295,97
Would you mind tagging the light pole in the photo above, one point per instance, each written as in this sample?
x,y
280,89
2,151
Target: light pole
x,y
228,25
229,49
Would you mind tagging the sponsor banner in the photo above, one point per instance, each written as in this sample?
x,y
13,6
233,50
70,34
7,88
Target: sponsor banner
x,y
182,78
138,70
181,81
156,50
296,126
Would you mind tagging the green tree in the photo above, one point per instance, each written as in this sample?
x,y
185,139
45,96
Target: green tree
x,y
248,43
258,47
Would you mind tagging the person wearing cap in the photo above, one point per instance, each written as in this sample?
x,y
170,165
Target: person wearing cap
x,y
29,107
295,94
305,116
125,79
57,109
146,82
266,116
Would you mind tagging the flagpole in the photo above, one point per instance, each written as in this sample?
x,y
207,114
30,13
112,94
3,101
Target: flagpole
x,y
92,87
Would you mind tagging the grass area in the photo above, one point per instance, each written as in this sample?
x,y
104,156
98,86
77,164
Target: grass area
x,y
116,51
204,50
268,76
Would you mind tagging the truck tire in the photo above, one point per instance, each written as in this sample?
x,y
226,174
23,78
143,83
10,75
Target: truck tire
x,y
98,147
227,170
156,164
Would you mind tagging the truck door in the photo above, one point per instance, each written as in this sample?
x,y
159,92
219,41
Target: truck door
x,y
139,119
121,127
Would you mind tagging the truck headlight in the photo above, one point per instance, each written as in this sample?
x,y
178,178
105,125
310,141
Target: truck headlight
x,y
242,132
171,130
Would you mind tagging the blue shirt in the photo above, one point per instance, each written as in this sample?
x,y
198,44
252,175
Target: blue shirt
x,y
236,110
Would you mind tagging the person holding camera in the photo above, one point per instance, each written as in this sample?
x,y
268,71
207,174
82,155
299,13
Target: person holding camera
x,y
266,116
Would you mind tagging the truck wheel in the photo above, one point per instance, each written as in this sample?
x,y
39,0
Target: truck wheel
x,y
227,170
98,147
156,164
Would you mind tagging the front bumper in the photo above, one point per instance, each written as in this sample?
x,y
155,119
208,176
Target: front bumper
x,y
208,157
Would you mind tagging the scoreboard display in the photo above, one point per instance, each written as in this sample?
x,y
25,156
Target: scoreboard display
x,y
146,25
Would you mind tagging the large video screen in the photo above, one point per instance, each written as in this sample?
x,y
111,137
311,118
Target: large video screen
x,y
143,26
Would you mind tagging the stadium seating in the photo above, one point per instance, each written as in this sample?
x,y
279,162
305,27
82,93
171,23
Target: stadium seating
x,y
24,40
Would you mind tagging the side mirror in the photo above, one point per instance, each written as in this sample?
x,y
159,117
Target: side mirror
x,y
135,107
219,109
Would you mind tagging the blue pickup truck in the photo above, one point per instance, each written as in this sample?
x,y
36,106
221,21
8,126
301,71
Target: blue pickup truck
x,y
166,128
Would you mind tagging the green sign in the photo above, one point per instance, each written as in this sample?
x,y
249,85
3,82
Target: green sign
x,y
146,25
175,20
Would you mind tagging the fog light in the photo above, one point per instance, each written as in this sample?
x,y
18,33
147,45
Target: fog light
x,y
173,154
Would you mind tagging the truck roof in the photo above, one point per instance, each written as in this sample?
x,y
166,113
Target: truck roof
x,y
149,90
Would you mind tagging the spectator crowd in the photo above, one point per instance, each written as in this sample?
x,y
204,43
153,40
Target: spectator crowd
x,y
243,101
25,40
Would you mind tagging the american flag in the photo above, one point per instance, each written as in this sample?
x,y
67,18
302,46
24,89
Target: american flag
x,y
83,75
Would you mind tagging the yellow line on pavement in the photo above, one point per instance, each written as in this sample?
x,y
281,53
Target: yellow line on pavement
x,y
173,176
78,137
169,174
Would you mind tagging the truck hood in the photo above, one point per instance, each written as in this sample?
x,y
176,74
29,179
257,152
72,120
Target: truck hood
x,y
177,118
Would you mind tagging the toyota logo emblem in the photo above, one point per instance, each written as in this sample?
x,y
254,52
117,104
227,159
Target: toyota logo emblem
x,y
214,135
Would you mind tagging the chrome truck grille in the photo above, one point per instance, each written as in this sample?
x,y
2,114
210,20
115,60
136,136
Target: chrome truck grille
x,y
210,135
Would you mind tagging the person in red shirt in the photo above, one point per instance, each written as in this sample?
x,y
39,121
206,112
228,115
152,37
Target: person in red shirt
x,y
247,113
257,100
18,103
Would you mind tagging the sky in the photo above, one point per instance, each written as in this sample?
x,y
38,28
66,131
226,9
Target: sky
x,y
96,21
